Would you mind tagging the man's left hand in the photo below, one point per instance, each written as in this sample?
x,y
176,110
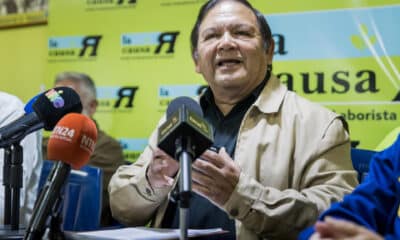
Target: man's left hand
x,y
215,176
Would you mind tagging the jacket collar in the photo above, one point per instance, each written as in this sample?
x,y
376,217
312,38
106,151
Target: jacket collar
x,y
271,96
269,100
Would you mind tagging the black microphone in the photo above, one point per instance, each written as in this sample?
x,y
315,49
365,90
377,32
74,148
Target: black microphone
x,y
71,144
185,136
185,129
48,109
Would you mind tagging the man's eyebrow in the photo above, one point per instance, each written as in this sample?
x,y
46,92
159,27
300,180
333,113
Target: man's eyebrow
x,y
244,25
233,25
209,29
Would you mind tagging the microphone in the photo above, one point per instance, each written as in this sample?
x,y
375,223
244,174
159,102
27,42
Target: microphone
x,y
29,109
185,129
71,144
29,105
185,136
48,109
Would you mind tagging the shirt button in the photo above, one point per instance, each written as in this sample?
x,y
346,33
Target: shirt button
x,y
234,212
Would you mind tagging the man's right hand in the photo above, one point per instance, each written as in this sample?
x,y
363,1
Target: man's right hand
x,y
162,169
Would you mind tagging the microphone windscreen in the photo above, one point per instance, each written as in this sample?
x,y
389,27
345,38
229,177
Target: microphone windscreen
x,y
72,140
189,103
53,104
29,105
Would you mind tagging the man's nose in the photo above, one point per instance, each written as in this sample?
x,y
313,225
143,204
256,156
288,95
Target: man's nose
x,y
227,42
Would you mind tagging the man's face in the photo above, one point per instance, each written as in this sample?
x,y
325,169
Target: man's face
x,y
230,52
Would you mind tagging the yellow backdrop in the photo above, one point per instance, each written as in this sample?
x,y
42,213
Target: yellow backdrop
x,y
341,53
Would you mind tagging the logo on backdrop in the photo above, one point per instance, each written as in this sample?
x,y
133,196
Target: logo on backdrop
x,y
103,5
116,98
73,48
280,44
331,79
148,45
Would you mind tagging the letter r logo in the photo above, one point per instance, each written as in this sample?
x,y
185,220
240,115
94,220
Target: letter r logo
x,y
90,41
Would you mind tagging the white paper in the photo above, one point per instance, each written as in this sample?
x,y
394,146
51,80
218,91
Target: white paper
x,y
143,233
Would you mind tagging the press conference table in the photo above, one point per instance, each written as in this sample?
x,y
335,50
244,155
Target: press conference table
x,y
7,233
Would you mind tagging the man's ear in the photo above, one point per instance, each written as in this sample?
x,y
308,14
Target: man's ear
x,y
93,107
195,57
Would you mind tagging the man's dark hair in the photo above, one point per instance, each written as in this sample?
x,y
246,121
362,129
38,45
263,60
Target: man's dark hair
x,y
262,23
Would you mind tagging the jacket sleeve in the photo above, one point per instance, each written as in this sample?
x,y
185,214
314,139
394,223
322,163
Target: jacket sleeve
x,y
324,176
133,201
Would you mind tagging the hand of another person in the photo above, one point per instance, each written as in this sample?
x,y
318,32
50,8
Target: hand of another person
x,y
161,170
215,176
333,229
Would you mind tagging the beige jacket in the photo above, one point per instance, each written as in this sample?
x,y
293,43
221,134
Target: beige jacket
x,y
295,161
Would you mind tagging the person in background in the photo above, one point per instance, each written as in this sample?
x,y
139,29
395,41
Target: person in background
x,y
372,210
283,160
107,154
11,108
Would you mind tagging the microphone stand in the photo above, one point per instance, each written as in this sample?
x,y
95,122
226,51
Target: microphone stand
x,y
185,154
6,184
37,223
12,181
56,220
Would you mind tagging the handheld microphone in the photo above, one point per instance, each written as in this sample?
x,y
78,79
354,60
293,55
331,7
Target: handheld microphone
x,y
71,144
48,109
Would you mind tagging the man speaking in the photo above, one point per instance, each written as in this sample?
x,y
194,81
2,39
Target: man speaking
x,y
282,161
